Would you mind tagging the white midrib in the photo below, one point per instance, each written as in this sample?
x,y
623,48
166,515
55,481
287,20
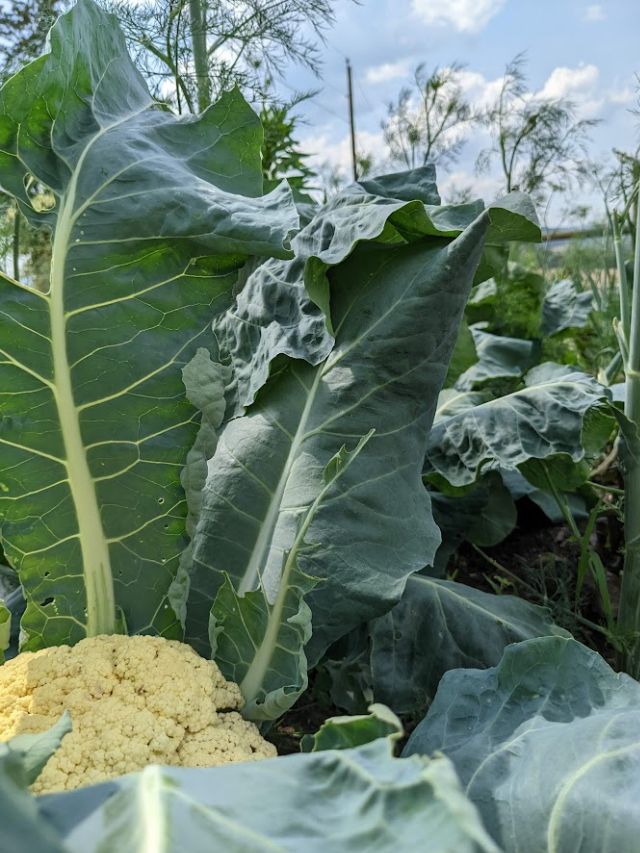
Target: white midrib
x,y
253,681
98,579
150,789
259,554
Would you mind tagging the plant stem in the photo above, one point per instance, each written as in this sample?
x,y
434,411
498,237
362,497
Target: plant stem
x,y
629,610
504,570
604,466
625,307
604,488
199,47
589,560
612,369
562,504
16,244
592,625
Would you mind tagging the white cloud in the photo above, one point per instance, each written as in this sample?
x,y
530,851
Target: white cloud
x,y
579,85
594,13
626,95
480,91
464,15
566,82
481,186
387,71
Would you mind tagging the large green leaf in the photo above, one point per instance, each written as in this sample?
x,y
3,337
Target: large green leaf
x,y
544,419
395,305
373,527
343,801
565,307
547,745
151,221
284,307
498,358
440,625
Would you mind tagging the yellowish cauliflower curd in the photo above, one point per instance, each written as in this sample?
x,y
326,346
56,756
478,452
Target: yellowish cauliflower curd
x,y
133,701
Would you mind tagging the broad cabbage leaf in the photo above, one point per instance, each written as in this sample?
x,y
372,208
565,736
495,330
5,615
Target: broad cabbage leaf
x,y
344,801
546,745
440,625
545,418
153,216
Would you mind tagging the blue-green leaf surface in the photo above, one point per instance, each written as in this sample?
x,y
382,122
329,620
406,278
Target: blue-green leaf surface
x,y
22,830
547,745
284,308
440,625
545,418
565,307
395,311
499,357
343,801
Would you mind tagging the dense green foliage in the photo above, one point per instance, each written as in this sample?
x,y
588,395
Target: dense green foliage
x,y
267,431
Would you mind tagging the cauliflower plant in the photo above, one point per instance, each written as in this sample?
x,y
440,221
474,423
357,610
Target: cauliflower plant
x,y
133,701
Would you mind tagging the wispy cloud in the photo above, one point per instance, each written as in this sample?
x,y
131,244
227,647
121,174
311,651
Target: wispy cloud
x,y
595,13
387,71
463,15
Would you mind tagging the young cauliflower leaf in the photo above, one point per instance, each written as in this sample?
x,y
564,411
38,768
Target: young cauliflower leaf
x,y
152,218
263,650
349,732
395,300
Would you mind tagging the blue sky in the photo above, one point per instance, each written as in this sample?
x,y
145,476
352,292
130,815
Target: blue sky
x,y
587,51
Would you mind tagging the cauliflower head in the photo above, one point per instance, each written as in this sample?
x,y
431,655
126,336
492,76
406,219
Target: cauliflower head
x,y
133,701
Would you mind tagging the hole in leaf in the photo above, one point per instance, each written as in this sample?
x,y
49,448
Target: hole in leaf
x,y
40,195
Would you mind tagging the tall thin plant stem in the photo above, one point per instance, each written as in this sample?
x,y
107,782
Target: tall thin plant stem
x,y
629,610
197,14
16,244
